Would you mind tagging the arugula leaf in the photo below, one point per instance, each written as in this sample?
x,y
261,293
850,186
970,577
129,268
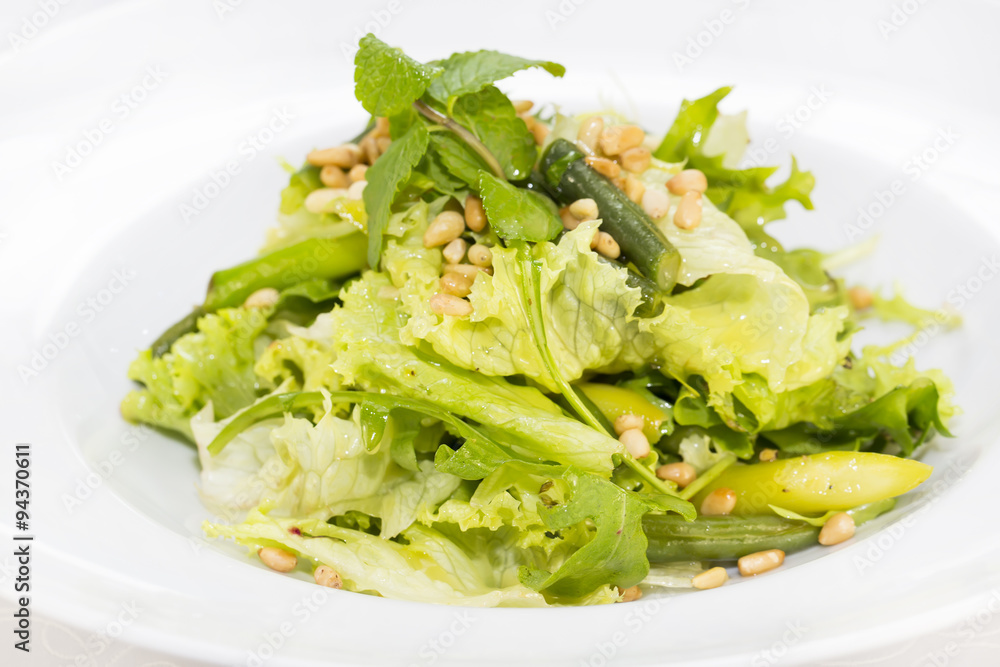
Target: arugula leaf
x,y
516,214
385,179
617,552
490,116
387,81
471,71
458,158
743,194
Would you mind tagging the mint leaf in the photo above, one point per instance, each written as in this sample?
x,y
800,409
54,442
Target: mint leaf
x,y
458,158
490,116
516,214
616,554
385,179
470,72
386,80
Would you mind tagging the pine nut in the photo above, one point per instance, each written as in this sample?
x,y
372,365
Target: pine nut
x,y
480,255
719,502
636,159
454,252
634,188
523,106
606,246
768,454
620,138
383,144
627,422
603,166
381,127
655,203
277,559
446,227
345,156
457,284
688,213
357,173
356,190
687,180
635,442
681,473
447,304
619,181
475,216
569,220
317,200
262,298
760,562
837,528
369,148
333,176
630,594
327,576
584,209
540,131
861,298
590,132
710,578
468,269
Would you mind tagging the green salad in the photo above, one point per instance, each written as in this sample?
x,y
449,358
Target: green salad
x,y
494,354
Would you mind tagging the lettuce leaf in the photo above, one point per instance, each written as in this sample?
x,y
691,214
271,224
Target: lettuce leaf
x,y
214,365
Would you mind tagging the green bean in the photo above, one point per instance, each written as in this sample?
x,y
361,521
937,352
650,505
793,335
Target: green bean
x,y
726,538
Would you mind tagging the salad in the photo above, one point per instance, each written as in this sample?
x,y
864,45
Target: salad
x,y
495,354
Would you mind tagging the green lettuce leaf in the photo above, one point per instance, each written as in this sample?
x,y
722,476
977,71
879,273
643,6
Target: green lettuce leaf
x,y
213,365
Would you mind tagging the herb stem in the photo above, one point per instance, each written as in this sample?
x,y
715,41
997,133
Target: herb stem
x,y
463,134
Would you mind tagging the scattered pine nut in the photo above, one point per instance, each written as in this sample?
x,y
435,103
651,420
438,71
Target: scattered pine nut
x,y
604,166
584,209
265,297
680,473
327,576
719,502
468,269
317,200
475,216
383,144
687,180
590,132
369,148
381,127
357,173
861,298
277,559
712,578
618,139
447,304
569,220
636,159
760,562
688,213
628,422
630,594
655,203
356,190
540,131
767,454
636,443
606,246
333,176
480,255
634,188
457,284
454,252
523,106
838,528
345,156
445,228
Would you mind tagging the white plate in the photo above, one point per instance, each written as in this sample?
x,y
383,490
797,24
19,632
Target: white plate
x,y
130,539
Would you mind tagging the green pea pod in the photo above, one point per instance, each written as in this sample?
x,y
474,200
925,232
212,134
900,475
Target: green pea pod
x,y
819,482
725,538
328,258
